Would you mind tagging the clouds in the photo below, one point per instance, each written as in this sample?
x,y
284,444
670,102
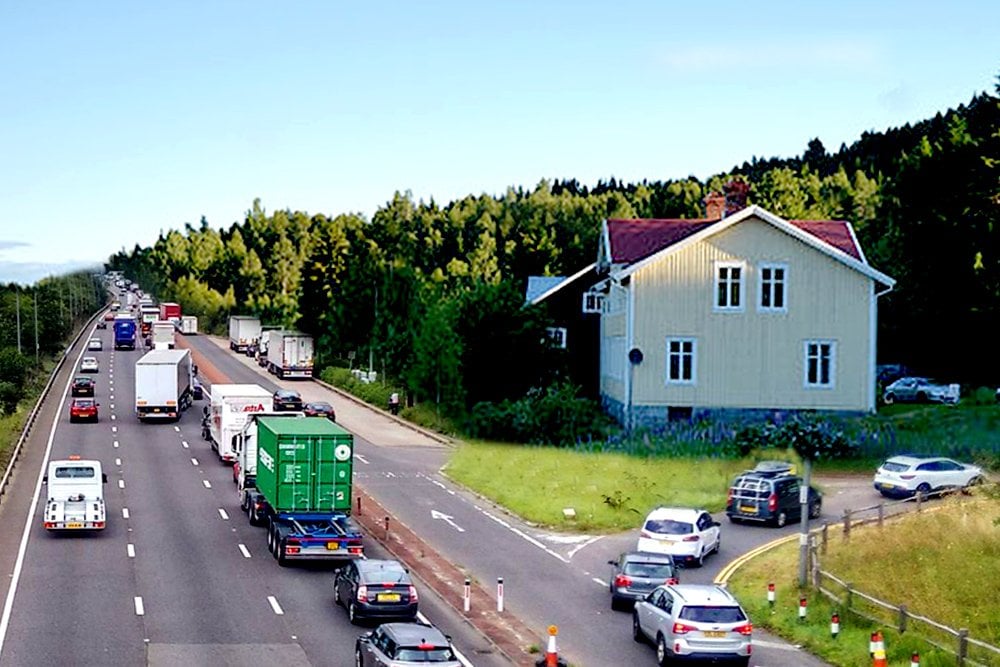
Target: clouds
x,y
28,273
735,60
7,245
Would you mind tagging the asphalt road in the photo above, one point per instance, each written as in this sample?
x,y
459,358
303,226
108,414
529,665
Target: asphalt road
x,y
179,577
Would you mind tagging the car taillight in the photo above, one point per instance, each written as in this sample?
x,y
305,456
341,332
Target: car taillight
x,y
682,629
621,581
413,594
745,629
691,538
772,502
673,581
362,594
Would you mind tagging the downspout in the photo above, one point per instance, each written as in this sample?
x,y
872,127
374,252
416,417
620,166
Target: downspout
x,y
873,344
629,344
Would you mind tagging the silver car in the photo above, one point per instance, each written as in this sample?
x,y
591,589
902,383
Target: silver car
x,y
693,622
920,390
403,644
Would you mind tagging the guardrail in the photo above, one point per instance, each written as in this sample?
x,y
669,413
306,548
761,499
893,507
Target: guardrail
x,y
30,422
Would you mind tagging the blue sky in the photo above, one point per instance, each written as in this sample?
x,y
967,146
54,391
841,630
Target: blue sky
x,y
122,119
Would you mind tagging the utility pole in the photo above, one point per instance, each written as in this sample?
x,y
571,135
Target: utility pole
x,y
36,325
804,523
17,301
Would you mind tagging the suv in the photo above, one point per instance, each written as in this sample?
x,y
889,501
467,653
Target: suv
x,y
373,588
693,622
635,574
686,534
400,644
770,494
903,476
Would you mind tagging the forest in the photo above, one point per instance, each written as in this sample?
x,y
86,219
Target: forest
x,y
434,292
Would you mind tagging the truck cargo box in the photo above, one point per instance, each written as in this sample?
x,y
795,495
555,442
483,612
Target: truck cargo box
x,y
243,330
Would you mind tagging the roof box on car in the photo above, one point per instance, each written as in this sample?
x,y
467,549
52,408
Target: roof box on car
x,y
774,468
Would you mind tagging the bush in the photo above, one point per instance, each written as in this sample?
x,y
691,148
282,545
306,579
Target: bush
x,y
375,393
983,396
817,440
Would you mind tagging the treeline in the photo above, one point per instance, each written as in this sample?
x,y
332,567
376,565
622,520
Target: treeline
x,y
36,322
434,293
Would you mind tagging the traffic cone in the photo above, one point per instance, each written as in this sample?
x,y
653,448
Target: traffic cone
x,y
551,650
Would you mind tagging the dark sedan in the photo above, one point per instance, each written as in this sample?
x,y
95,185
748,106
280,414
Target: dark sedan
x,y
319,409
635,574
375,589
83,386
286,400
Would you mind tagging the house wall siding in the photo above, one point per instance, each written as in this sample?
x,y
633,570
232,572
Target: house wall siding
x,y
749,359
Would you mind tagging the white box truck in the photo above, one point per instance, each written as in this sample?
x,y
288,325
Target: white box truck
x,y
75,495
290,354
245,444
232,405
189,325
243,330
163,384
163,335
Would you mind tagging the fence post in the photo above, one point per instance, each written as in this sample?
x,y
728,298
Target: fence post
x,y
849,597
963,645
826,537
847,524
902,618
815,564
881,514
920,501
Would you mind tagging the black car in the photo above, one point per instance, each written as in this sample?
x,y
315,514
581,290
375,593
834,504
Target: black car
x,y
286,399
83,386
404,643
635,574
375,589
319,409
770,494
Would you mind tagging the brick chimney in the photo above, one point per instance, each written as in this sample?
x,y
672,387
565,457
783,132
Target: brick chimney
x,y
715,205
736,196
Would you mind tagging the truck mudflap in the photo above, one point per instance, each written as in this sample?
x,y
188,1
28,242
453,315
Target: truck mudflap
x,y
298,537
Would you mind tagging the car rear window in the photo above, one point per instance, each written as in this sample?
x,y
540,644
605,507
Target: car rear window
x,y
892,466
649,570
75,472
418,654
669,527
727,614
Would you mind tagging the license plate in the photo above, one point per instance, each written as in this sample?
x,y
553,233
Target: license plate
x,y
886,486
74,525
332,546
388,597
748,508
715,634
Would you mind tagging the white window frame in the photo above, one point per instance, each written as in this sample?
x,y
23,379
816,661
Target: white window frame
x,y
593,302
694,360
763,289
742,284
557,336
808,355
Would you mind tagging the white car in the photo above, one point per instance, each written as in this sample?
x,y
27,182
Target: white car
x,y
89,365
686,534
902,476
95,344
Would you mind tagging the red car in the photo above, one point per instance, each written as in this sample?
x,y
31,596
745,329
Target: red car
x,y
83,409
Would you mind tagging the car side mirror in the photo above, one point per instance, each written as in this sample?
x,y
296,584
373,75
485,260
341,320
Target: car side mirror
x,y
45,479
104,477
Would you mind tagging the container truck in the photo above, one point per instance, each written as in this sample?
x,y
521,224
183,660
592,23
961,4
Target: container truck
x,y
232,405
290,354
163,384
75,495
163,335
170,311
243,329
124,332
189,325
301,489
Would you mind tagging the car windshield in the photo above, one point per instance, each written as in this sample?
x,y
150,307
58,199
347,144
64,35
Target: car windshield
x,y
649,570
893,466
417,654
75,472
713,614
669,527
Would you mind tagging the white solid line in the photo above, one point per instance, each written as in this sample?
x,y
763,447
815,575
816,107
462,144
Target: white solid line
x,y
177,429
140,610
125,513
194,461
524,535
223,514
275,606
582,545
244,550
118,462
361,458
121,484
461,658
208,484
599,582
130,550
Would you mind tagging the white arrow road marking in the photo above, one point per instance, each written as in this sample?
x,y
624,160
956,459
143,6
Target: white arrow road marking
x,y
361,458
130,550
208,484
447,519
274,605
140,610
125,513
244,550
223,514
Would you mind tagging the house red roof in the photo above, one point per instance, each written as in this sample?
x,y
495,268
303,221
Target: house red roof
x,y
635,239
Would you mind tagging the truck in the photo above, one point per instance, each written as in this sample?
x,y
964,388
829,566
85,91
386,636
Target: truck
x,y
170,311
75,495
260,351
124,332
189,325
301,488
163,384
163,335
147,315
290,354
232,405
243,329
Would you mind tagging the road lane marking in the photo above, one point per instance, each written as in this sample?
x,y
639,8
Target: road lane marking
x,y
194,461
389,474
461,658
114,429
223,514
115,445
580,546
125,513
208,484
113,417
121,484
275,606
784,647
130,550
244,550
184,443
443,487
140,610
177,429
118,462
599,582
112,397
522,534
111,381
447,519
112,406
361,458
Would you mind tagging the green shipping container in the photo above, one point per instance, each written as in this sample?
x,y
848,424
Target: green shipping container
x,y
304,464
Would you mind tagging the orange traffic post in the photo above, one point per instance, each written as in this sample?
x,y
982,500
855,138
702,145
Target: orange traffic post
x,y
878,650
551,651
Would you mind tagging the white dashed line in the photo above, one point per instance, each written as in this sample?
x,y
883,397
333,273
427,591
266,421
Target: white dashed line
x,y
112,397
184,444
113,418
208,484
130,550
244,550
194,461
112,406
599,582
114,429
125,513
275,606
111,381
223,514
140,610
361,458
177,429
121,484
118,462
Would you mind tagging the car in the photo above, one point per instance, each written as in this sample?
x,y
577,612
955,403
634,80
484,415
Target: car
x,y
83,408
286,399
373,588
920,390
402,644
686,534
770,493
95,344
82,386
319,409
109,316
89,365
102,325
634,574
693,622
905,476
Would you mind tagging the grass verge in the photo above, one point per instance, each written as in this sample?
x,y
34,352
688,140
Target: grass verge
x,y
12,425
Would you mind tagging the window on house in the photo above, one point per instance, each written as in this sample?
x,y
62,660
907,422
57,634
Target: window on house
x,y
772,286
729,286
681,360
592,302
820,364
557,336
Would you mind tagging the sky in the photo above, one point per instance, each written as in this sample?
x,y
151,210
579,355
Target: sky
x,y
119,120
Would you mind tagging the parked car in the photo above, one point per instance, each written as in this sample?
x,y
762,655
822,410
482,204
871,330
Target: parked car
x,y
693,622
904,476
770,494
635,574
89,365
686,534
319,409
286,399
403,644
82,386
95,344
83,409
920,390
373,588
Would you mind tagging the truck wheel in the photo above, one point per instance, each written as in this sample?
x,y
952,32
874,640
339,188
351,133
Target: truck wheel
x,y
282,558
243,503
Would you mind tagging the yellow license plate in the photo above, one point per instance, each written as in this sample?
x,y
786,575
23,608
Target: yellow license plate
x,y
886,486
74,525
332,546
749,509
715,634
388,597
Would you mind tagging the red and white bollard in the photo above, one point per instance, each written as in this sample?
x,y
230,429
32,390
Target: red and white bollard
x,y
467,595
835,625
915,660
770,594
500,595
803,606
